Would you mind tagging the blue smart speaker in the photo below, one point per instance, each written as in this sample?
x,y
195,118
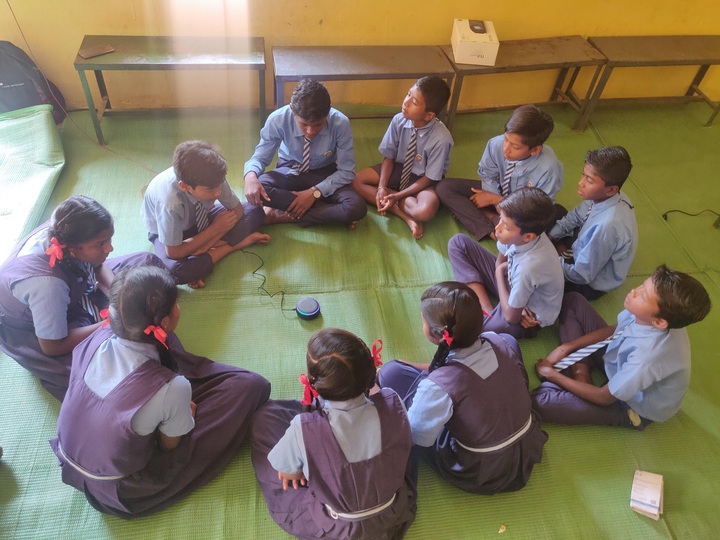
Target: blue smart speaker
x,y
307,308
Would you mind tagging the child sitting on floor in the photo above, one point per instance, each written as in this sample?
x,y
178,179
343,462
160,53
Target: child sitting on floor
x,y
469,409
347,459
525,276
54,285
518,158
647,360
601,232
315,166
189,230
416,149
144,422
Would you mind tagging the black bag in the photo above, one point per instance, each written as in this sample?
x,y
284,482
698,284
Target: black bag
x,y
22,84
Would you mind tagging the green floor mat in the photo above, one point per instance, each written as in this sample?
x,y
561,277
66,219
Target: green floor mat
x,y
369,281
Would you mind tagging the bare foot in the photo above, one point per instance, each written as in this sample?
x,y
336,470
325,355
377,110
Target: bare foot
x,y
416,228
274,216
352,225
581,372
252,238
197,284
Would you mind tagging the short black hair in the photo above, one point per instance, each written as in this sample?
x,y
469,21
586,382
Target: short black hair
x,y
612,163
199,163
435,91
530,208
533,125
310,101
682,299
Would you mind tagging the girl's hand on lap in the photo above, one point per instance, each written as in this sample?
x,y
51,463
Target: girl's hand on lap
x,y
296,479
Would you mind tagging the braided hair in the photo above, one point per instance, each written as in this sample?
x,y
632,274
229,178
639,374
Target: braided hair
x,y
76,220
140,297
454,308
339,364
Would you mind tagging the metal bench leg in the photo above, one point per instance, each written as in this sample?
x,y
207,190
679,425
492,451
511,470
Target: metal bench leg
x,y
91,107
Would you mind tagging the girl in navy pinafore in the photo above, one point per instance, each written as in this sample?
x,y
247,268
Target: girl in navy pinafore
x,y
144,422
343,469
53,285
470,409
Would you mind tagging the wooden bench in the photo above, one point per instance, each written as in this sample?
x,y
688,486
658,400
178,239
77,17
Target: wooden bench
x,y
150,53
352,63
645,51
563,53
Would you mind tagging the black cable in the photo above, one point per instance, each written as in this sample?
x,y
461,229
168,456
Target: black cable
x,y
263,279
665,215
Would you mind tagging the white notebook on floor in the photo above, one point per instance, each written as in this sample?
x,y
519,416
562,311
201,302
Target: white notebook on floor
x,y
647,494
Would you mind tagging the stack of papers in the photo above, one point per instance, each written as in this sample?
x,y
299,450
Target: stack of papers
x,y
647,494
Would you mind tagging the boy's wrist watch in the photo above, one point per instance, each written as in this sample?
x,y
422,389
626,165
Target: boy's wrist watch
x,y
317,193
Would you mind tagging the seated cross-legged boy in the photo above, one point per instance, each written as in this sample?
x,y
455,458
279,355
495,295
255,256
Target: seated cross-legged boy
x,y
601,232
315,167
518,158
416,155
645,356
525,277
189,230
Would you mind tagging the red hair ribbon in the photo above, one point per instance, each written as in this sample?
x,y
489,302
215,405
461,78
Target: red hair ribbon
x,y
105,314
376,348
309,392
55,251
158,332
447,337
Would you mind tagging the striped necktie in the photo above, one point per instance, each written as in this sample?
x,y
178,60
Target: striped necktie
x,y
201,217
409,160
589,211
505,184
89,289
305,165
578,355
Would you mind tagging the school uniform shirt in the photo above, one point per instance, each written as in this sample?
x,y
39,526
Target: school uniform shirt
x,y
606,244
432,407
167,410
434,143
355,424
47,297
334,144
167,210
535,277
543,171
648,368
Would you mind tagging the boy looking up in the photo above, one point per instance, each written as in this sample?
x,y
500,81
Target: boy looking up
x,y
602,230
647,362
416,155
191,233
525,277
316,163
518,158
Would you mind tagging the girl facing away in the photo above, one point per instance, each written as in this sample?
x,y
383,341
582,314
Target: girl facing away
x,y
469,409
341,468
144,423
53,286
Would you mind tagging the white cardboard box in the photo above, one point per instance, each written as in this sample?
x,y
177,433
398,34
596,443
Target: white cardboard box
x,y
474,42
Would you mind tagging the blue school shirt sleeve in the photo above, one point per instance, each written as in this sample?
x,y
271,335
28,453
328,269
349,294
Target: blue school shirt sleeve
x,y
271,136
492,165
431,409
572,221
48,299
339,150
288,455
390,143
434,145
227,197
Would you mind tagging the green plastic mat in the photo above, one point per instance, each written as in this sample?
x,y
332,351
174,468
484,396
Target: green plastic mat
x,y
369,281
31,159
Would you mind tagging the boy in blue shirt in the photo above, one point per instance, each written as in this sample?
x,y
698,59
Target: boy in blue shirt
x,y
316,163
189,231
602,230
416,155
647,361
518,158
525,277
